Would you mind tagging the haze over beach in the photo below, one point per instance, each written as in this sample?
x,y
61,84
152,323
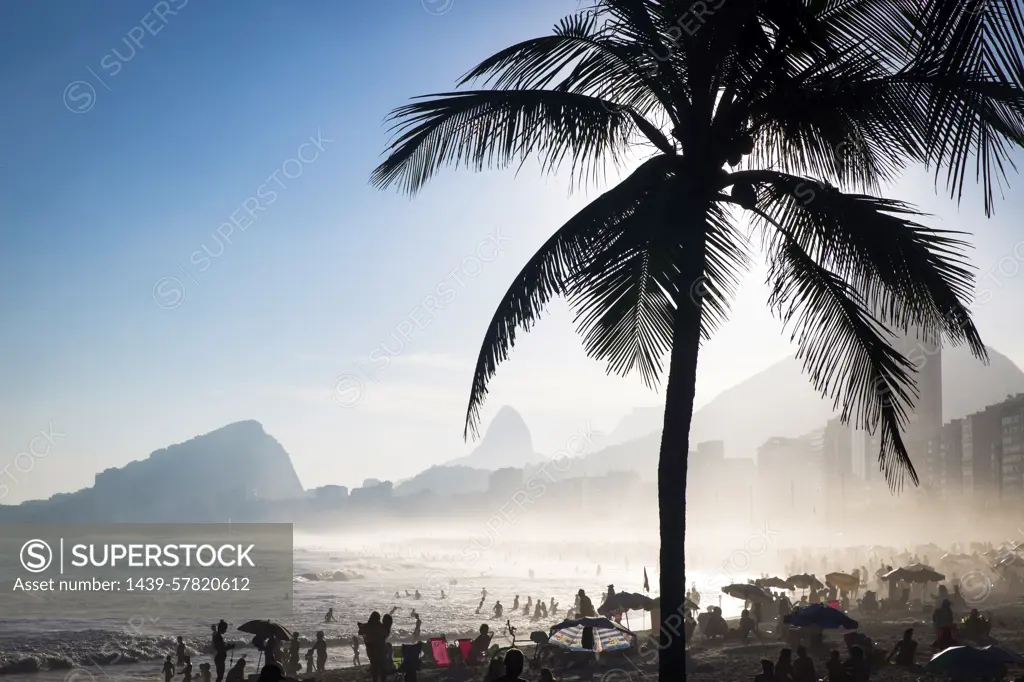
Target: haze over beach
x,y
255,288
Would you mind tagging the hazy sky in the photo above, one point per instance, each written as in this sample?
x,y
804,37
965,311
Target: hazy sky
x,y
136,130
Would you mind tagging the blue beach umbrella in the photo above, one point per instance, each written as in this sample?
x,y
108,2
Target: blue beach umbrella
x,y
822,616
608,635
965,662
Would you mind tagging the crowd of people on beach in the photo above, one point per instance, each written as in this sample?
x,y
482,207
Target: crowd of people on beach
x,y
284,658
905,586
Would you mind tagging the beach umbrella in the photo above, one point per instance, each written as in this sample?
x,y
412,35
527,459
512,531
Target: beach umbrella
x,y
608,635
822,616
777,583
266,629
965,662
751,593
915,573
843,581
804,581
1001,655
625,601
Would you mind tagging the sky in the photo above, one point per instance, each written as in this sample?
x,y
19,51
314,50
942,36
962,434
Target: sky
x,y
188,238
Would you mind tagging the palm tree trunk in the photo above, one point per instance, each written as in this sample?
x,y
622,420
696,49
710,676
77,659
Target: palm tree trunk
x,y
672,465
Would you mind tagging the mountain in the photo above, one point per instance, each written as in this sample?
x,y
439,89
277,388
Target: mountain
x,y
507,443
196,479
780,401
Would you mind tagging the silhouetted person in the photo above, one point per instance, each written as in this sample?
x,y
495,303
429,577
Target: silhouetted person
x,y
803,667
480,645
538,610
375,634
186,670
320,646
220,649
443,595
586,609
309,661
168,669
784,666
272,672
416,628
515,603
180,651
498,609
514,664
204,672
237,672
270,650
767,671
355,651
976,627
834,667
856,666
905,650
943,620
329,618
418,596
294,660
746,625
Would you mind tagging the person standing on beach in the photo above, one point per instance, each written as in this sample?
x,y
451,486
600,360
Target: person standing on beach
x,y
181,651
168,669
355,651
220,649
186,670
294,662
321,651
416,628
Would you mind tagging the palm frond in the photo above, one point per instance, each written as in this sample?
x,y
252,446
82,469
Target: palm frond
x,y
493,128
915,277
846,351
580,57
550,271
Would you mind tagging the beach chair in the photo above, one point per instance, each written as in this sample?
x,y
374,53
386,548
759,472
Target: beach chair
x,y
410,658
396,658
439,649
466,650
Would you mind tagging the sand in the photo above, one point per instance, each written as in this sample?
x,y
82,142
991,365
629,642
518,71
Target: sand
x,y
735,662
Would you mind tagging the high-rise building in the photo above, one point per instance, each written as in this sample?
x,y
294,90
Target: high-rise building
x,y
982,455
924,421
943,465
1012,448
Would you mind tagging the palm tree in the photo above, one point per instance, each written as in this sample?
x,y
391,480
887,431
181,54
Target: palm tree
x,y
792,114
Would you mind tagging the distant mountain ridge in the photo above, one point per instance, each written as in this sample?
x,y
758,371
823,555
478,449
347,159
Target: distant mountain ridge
x,y
780,401
506,443
191,480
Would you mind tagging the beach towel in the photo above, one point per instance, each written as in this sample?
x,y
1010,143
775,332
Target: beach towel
x,y
466,649
834,605
439,648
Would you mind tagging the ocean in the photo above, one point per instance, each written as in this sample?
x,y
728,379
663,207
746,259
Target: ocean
x,y
68,651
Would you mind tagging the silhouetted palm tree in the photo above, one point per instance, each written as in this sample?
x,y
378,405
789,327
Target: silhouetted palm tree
x,y
815,105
